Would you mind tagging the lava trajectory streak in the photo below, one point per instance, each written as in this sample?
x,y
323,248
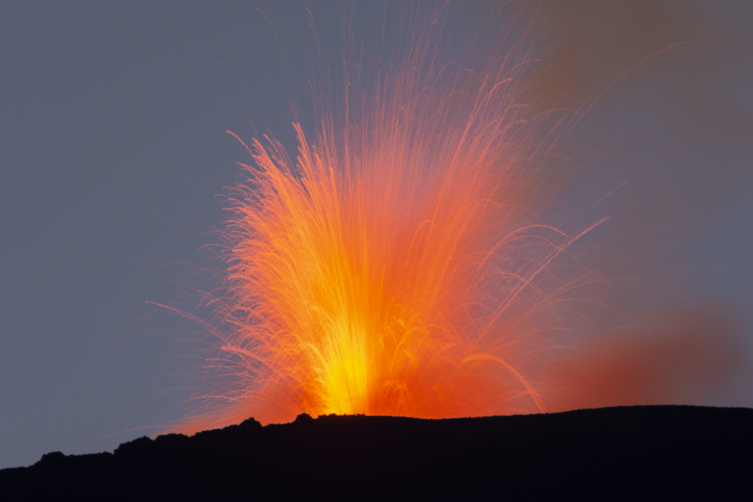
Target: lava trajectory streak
x,y
414,256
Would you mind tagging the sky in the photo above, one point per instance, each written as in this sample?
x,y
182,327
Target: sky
x,y
113,151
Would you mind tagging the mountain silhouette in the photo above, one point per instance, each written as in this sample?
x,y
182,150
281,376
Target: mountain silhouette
x,y
609,453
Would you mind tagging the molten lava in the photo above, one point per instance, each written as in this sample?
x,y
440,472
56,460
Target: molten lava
x,y
380,271
420,254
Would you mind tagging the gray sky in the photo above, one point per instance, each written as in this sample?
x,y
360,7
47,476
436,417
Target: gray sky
x,y
113,148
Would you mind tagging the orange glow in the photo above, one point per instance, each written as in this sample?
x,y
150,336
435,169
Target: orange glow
x,y
381,271
360,271
404,261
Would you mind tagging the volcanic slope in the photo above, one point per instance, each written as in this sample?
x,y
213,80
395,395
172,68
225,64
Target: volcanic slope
x,y
609,452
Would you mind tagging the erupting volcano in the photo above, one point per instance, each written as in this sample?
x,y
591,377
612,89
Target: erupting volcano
x,y
375,274
417,254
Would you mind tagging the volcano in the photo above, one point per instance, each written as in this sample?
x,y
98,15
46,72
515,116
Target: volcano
x,y
647,451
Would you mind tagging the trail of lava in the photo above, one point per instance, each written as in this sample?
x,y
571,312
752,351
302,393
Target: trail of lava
x,y
401,261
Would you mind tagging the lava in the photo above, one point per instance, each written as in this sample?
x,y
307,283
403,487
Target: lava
x,y
380,271
410,257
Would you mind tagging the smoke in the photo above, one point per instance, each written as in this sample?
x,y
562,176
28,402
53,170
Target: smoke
x,y
675,74
694,356
678,68
593,42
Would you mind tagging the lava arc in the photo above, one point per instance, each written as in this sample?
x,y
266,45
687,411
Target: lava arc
x,y
415,253
394,263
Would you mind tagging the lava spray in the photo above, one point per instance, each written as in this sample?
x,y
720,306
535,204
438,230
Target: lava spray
x,y
430,245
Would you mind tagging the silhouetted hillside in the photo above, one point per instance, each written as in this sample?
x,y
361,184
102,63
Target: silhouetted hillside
x,y
647,452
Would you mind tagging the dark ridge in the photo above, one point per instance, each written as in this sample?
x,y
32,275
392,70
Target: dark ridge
x,y
642,451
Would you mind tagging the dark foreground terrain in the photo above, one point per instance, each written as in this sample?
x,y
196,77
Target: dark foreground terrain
x,y
626,452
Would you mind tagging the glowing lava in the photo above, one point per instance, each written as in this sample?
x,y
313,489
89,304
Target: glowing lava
x,y
392,267
424,252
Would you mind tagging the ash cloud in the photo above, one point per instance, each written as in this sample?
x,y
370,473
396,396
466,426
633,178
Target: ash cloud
x,y
594,42
689,357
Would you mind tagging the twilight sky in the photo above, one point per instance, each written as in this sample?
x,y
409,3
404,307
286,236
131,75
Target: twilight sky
x,y
113,149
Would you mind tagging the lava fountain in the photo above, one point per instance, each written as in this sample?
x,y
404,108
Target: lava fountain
x,y
401,261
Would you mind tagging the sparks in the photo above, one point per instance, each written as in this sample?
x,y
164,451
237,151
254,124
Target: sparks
x,y
404,260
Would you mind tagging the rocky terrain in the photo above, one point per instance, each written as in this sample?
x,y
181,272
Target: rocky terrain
x,y
641,451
